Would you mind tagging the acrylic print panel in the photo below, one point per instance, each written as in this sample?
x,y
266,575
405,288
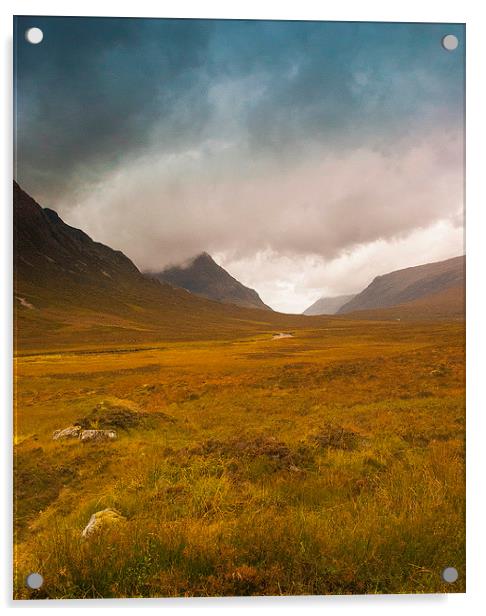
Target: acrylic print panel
x,y
239,308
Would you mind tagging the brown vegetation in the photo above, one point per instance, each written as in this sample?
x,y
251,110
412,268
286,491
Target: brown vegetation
x,y
330,462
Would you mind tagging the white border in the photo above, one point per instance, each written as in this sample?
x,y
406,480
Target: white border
x,y
352,10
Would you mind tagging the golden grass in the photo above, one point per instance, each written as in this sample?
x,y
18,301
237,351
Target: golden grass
x,y
331,462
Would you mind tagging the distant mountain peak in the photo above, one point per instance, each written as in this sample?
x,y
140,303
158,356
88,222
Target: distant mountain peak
x,y
202,258
199,259
327,305
202,276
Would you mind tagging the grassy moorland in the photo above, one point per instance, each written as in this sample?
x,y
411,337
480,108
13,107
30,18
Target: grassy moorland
x,y
330,462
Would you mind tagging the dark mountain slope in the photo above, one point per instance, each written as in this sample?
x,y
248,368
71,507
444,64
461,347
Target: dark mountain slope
x,y
45,245
203,276
409,285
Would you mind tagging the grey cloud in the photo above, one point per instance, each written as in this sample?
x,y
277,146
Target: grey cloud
x,y
291,284
212,200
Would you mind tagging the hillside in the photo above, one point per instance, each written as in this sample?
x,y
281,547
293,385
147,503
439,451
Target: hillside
x,y
73,292
204,277
446,305
327,305
410,285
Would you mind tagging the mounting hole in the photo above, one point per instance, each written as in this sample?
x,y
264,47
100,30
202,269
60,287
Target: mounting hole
x,y
34,581
34,35
450,575
450,42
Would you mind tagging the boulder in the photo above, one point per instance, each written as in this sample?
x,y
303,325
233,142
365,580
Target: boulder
x,y
102,521
69,432
97,435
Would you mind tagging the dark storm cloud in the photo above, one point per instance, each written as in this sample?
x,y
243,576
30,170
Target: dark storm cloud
x,y
99,91
339,83
90,94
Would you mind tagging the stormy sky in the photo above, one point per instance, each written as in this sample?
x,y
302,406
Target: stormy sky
x,y
306,157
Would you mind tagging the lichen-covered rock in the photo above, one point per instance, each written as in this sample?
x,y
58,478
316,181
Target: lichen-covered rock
x,y
97,435
69,432
102,521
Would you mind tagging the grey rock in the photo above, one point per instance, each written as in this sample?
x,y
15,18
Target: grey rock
x,y
97,435
69,432
102,521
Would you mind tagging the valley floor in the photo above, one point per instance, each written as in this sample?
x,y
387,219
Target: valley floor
x,y
327,462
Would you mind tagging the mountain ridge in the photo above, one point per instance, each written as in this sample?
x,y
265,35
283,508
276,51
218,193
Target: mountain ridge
x,y
407,285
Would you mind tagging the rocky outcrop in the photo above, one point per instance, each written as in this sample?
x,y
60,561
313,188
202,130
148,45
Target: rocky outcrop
x,y
76,432
102,521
